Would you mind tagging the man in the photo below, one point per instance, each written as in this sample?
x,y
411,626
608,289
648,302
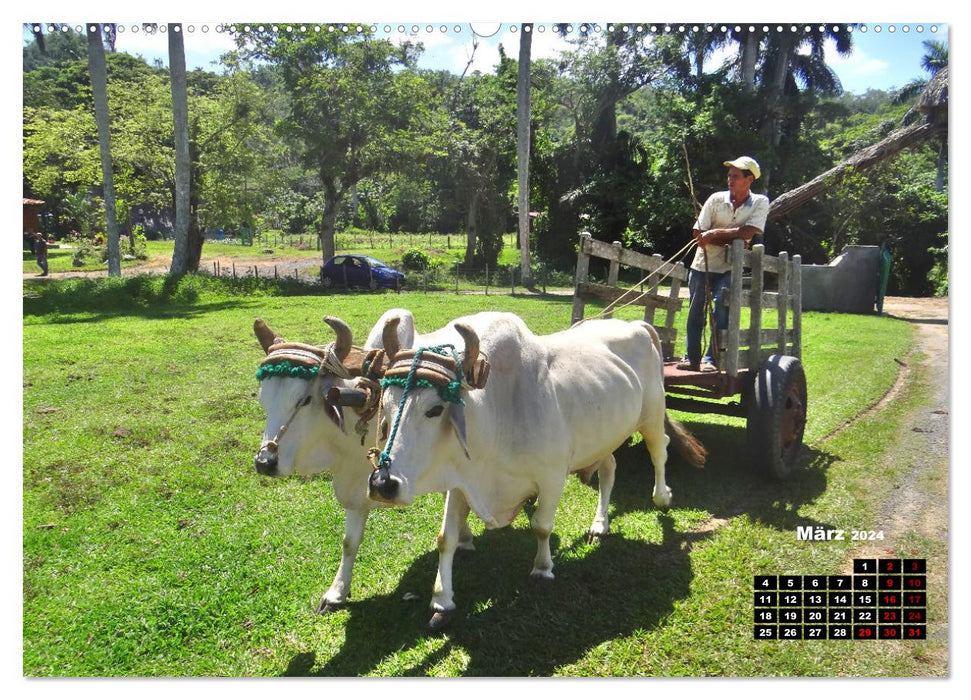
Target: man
x,y
40,250
737,213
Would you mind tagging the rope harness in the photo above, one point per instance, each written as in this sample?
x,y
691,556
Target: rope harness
x,y
435,367
311,362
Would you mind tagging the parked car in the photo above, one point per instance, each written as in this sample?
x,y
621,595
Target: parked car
x,y
360,271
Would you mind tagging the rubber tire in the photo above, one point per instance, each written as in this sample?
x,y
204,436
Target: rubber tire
x,y
328,282
373,284
777,416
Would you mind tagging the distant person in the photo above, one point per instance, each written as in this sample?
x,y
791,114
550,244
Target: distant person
x,y
735,213
40,251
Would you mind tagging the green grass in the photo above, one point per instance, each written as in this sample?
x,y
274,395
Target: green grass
x,y
152,548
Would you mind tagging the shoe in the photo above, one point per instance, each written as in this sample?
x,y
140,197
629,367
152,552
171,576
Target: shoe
x,y
707,366
688,365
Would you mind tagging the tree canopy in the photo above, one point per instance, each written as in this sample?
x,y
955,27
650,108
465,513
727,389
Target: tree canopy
x,y
312,131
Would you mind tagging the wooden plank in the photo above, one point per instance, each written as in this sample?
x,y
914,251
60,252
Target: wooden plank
x,y
734,309
767,300
652,283
675,291
757,260
633,297
796,285
613,272
631,258
783,298
582,275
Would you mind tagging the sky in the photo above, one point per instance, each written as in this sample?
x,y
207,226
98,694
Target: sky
x,y
885,55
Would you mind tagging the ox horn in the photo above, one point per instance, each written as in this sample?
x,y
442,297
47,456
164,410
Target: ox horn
x,y
389,337
344,336
265,335
471,347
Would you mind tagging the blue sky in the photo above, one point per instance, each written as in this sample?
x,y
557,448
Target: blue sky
x,y
885,55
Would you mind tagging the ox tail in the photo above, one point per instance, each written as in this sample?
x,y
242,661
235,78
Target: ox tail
x,y
685,444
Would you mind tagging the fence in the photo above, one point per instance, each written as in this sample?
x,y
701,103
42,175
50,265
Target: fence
x,y
457,280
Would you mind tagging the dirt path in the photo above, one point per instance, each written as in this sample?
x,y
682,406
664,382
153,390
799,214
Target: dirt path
x,y
918,506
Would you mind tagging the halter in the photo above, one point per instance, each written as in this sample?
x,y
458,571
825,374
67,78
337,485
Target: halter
x,y
437,367
311,362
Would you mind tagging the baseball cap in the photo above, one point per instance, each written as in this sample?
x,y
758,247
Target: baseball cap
x,y
745,163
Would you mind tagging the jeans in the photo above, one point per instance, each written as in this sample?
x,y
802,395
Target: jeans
x,y
42,263
697,311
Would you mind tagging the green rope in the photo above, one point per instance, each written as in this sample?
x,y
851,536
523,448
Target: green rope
x,y
285,369
448,393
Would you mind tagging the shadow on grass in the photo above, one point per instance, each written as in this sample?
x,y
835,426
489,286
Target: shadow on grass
x,y
148,296
504,626
728,486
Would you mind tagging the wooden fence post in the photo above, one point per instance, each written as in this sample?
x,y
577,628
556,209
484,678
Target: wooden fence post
x,y
582,274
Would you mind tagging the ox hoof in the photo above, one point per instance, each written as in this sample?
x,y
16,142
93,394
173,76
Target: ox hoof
x,y
540,582
328,607
594,536
440,620
663,500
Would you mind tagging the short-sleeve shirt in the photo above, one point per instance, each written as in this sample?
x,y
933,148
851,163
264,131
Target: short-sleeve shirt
x,y
718,212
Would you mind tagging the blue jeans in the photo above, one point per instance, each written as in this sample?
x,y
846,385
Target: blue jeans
x,y
697,311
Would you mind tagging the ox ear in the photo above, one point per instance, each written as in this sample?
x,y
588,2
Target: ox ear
x,y
265,335
456,416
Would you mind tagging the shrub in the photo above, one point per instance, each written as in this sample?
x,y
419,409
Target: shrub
x,y
415,259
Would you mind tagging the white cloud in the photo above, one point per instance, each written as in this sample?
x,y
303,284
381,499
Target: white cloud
x,y
858,63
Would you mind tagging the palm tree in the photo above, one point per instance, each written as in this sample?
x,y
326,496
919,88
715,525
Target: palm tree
x,y
784,67
522,151
933,61
99,90
180,116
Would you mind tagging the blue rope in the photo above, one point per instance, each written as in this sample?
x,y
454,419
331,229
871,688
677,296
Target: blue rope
x,y
450,394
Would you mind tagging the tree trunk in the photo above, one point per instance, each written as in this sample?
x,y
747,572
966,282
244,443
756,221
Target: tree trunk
x,y
196,235
329,218
862,159
522,152
750,55
470,229
183,164
774,112
99,90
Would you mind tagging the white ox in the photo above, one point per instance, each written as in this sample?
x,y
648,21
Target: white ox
x,y
306,434
552,405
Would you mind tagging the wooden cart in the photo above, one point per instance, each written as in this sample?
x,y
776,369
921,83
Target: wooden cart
x,y
760,365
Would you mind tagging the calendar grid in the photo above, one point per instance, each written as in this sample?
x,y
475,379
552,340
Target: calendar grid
x,y
883,599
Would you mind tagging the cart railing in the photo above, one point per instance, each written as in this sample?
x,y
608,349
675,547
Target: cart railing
x,y
739,349
660,292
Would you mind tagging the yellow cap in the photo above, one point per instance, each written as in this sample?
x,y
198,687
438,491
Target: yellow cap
x,y
745,163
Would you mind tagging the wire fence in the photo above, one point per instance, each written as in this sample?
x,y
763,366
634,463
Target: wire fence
x,y
458,279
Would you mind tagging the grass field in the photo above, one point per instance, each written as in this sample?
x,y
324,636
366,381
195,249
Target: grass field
x,y
152,548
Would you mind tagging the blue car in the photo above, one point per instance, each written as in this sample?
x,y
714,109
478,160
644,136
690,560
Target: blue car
x,y
360,271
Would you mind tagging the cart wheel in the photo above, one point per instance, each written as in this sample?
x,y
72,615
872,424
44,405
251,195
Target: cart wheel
x,y
777,416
